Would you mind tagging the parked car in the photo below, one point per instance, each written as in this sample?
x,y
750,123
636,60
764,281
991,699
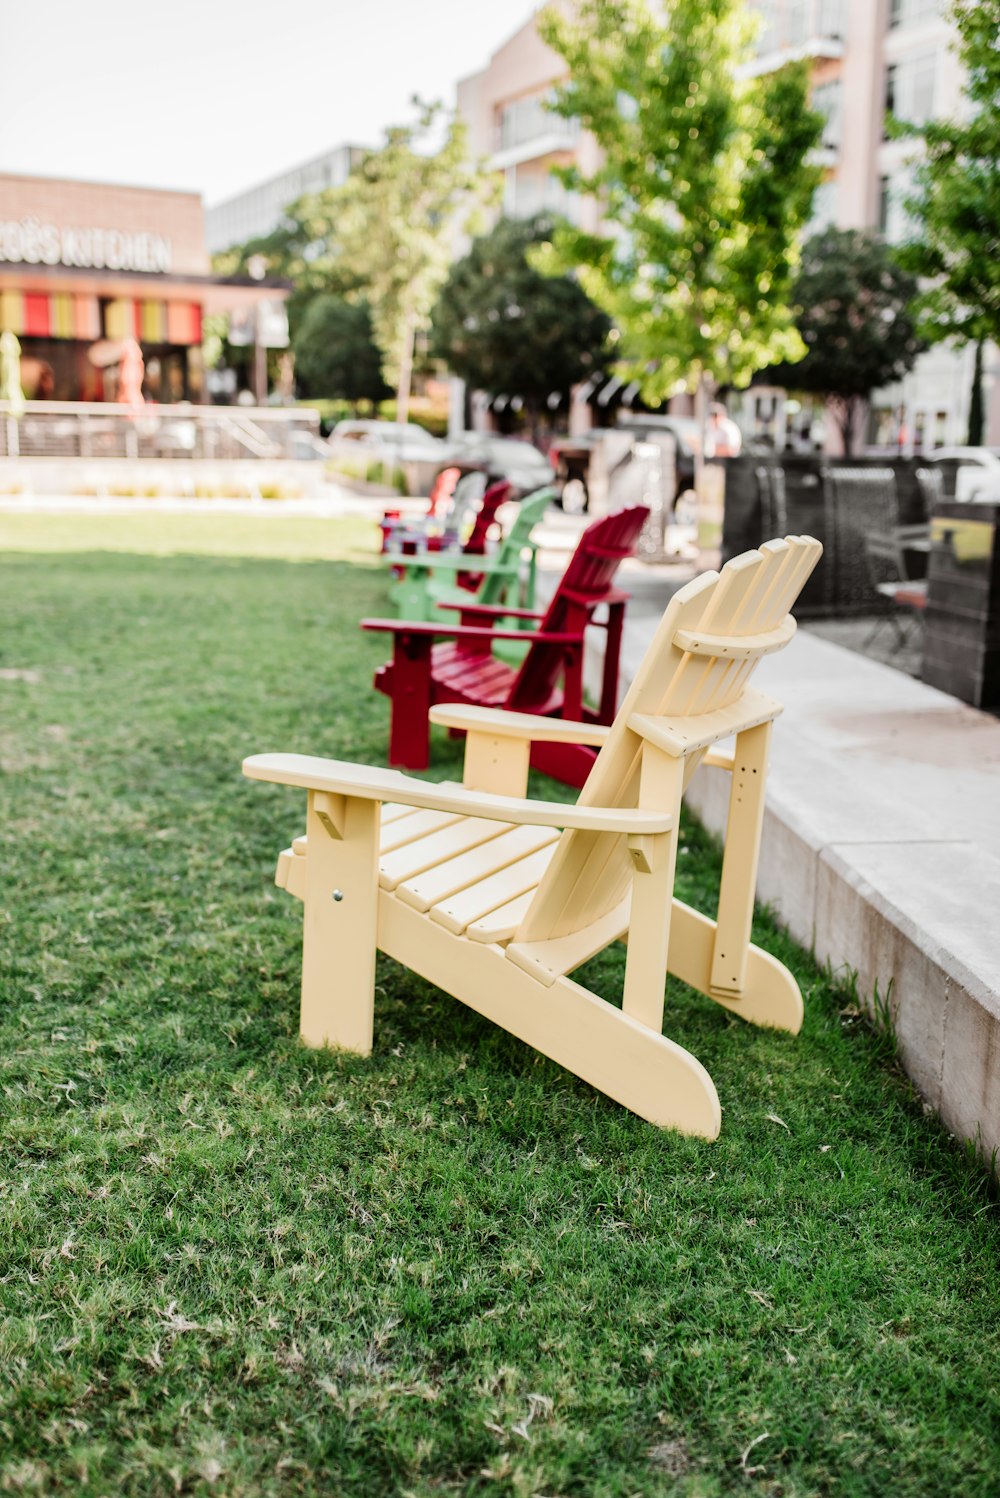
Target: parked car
x,y
521,464
398,455
978,475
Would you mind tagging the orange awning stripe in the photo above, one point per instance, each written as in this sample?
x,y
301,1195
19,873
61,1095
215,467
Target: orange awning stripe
x,y
86,318
183,322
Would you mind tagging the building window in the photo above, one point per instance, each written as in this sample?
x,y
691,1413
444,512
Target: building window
x,y
824,208
906,12
910,86
827,99
894,223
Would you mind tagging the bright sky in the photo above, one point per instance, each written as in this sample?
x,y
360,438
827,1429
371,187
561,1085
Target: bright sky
x,y
215,95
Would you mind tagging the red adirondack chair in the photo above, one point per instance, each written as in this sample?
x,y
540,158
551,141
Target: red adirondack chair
x,y
549,681
475,546
437,501
444,522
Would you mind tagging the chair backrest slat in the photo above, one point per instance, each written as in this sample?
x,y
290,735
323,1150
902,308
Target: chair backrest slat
x,y
529,514
589,578
590,873
485,518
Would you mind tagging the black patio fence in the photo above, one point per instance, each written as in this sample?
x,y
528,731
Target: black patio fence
x,y
837,500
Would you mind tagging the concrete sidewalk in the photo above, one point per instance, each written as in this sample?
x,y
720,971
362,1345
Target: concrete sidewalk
x,y
881,850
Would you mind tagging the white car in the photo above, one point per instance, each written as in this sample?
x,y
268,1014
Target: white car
x,y
393,454
978,476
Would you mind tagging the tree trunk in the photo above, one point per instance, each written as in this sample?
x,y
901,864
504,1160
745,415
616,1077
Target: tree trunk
x,y
976,406
405,375
847,412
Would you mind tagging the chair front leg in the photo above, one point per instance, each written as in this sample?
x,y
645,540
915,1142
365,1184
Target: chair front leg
x,y
340,922
654,860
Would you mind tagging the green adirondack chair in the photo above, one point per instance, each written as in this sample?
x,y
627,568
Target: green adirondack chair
x,y
508,576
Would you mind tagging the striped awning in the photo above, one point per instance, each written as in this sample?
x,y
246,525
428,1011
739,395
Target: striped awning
x,y
43,314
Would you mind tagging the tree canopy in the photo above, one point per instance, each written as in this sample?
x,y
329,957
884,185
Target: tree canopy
x,y
855,322
335,356
397,218
504,327
705,180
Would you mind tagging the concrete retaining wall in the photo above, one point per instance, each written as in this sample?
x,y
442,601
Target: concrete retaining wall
x,y
881,851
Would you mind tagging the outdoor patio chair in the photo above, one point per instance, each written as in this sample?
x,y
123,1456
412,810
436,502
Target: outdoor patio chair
x,y
437,501
475,888
505,576
469,542
443,526
464,667
890,558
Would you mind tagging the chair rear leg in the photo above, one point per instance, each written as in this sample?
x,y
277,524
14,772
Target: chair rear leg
x,y
409,729
739,863
340,921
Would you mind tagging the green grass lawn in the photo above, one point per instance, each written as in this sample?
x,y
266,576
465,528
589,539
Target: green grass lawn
x,y
229,1265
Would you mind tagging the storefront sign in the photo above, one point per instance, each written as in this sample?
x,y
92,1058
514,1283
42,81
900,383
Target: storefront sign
x,y
29,242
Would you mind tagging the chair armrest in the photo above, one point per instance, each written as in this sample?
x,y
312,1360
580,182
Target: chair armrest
x,y
613,595
680,736
469,632
496,609
447,561
502,724
372,784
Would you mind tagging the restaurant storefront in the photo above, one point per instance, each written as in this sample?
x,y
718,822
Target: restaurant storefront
x,y
86,266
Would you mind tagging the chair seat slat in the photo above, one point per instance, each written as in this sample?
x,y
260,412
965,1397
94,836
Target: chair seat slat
x,y
458,874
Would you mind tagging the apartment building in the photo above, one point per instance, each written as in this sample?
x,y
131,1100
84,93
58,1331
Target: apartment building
x,y
257,210
870,58
504,108
867,58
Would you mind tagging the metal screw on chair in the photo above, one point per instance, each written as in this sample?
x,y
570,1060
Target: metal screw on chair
x,y
338,894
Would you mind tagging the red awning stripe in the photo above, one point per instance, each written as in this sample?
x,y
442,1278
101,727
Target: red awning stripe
x,y
37,314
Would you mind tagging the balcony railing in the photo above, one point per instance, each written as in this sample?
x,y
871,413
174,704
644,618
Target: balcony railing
x,y
56,429
528,122
806,27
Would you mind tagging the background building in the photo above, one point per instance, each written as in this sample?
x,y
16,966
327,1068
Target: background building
x,y
867,58
503,107
870,58
258,210
84,266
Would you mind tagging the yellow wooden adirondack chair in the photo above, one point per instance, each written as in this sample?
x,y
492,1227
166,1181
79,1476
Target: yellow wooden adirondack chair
x,y
476,889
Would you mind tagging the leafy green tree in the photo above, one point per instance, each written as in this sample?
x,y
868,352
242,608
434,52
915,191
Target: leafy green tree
x,y
302,248
855,322
502,326
335,355
397,218
956,202
705,181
